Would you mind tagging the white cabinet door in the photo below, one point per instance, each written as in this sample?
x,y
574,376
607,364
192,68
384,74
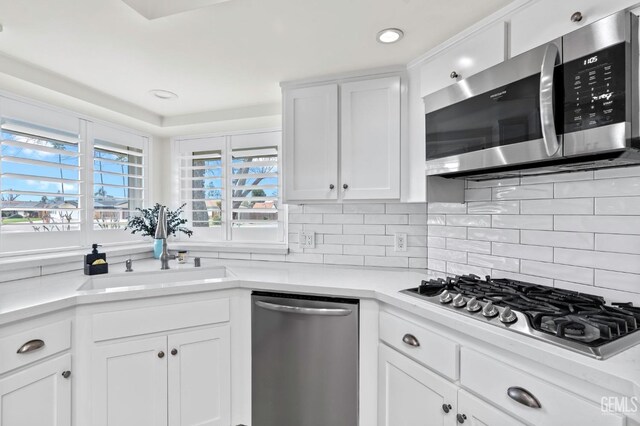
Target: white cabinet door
x,y
199,378
476,412
39,395
311,143
546,20
467,57
410,395
130,383
370,139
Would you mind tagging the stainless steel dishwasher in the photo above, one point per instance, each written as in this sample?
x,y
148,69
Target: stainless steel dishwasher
x,y
304,360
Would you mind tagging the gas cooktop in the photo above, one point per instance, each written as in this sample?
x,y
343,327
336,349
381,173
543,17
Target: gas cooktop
x,y
577,321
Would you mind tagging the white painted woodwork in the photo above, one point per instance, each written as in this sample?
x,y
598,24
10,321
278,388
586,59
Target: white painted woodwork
x,y
370,139
544,20
130,383
491,378
480,413
56,338
410,395
478,52
38,395
200,377
138,321
311,143
435,351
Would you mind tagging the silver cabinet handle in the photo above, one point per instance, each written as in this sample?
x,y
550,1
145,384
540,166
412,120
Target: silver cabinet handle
x,y
30,346
411,340
66,374
576,17
547,117
331,186
523,397
454,75
304,311
345,186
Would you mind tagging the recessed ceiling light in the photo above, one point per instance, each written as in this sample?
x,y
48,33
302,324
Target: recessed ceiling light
x,y
390,35
163,94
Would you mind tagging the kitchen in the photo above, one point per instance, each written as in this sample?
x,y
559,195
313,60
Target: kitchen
x,y
252,236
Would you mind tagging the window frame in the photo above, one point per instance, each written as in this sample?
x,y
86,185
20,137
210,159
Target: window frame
x,y
226,142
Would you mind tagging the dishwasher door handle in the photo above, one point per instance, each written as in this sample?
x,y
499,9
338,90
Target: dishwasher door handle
x,y
333,312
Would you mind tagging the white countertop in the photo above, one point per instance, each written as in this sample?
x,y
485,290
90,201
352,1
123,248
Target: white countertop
x,y
27,298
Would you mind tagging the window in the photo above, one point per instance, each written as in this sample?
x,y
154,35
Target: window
x,y
231,187
53,183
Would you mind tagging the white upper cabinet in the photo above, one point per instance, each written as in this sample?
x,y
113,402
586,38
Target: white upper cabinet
x,y
546,20
311,143
370,139
473,54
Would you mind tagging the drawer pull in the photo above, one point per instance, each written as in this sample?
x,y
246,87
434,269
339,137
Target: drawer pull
x,y
30,346
461,418
523,396
411,340
446,408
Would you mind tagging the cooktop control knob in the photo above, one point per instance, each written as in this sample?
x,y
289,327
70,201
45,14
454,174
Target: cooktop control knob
x,y
445,297
473,305
508,316
489,310
458,301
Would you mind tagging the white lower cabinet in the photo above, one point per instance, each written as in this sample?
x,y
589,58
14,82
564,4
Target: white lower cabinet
x,y
37,396
409,394
475,412
180,379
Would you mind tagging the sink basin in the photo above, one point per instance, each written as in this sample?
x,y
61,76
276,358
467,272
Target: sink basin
x,y
168,278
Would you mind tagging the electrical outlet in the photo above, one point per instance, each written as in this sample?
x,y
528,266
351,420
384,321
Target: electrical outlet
x,y
400,242
307,239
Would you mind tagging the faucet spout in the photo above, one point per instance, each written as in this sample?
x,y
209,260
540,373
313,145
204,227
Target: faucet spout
x,y
161,234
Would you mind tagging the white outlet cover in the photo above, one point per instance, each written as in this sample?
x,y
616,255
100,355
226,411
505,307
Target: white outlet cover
x,y
400,242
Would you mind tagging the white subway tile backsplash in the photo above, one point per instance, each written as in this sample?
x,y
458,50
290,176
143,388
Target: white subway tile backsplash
x,y
418,263
437,242
618,281
366,250
520,251
494,262
344,260
599,224
379,240
557,206
557,271
436,264
463,269
524,192
343,218
493,207
493,234
610,295
561,177
407,229
618,205
388,219
323,208
324,228
598,188
418,219
523,221
416,241
448,255
305,218
447,208
480,221
447,231
618,243
493,182
598,259
389,262
363,208
579,240
480,194
364,229
344,239
617,172
436,219
522,277
468,245
406,208
325,249
410,252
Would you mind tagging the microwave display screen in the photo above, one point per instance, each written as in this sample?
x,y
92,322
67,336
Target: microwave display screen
x,y
594,89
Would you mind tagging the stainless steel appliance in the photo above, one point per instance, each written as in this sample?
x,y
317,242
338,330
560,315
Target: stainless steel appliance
x,y
579,322
304,360
571,104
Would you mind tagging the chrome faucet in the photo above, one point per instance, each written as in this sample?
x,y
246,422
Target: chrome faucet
x,y
161,234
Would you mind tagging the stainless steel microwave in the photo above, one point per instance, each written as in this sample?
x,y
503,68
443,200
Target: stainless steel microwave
x,y
571,104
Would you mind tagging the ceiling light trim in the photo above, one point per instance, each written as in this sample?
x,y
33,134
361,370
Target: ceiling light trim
x,y
390,35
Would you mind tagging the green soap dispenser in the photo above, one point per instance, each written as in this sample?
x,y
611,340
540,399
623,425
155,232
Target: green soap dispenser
x,y
89,259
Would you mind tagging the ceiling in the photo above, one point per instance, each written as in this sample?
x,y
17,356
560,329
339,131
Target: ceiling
x,y
222,57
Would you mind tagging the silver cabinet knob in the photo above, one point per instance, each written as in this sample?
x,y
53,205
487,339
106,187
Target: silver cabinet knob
x,y
458,301
508,316
576,17
332,186
161,354
66,374
411,340
454,75
523,397
473,305
489,310
461,418
446,408
445,297
345,186
174,352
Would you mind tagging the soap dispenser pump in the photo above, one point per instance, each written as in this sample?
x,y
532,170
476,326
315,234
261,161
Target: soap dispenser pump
x,y
95,263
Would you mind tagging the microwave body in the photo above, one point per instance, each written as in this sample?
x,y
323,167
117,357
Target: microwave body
x,y
571,104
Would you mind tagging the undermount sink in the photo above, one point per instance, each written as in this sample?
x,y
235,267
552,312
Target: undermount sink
x,y
167,278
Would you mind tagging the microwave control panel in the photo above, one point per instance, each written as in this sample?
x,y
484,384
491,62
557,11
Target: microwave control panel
x,y
594,89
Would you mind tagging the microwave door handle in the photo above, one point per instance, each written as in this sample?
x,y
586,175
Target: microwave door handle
x,y
547,118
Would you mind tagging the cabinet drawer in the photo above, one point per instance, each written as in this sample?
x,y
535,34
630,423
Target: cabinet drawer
x,y
36,344
433,350
492,379
134,322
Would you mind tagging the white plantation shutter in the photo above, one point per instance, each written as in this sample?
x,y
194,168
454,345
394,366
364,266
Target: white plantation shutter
x,y
231,185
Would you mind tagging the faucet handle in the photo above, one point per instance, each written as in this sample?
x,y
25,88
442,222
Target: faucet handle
x,y
129,263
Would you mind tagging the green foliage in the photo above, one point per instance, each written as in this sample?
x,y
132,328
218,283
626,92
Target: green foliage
x,y
147,221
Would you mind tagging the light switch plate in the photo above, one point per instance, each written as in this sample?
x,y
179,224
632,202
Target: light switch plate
x,y
307,239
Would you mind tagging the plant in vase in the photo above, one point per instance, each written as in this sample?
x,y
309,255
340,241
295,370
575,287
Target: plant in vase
x,y
146,222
